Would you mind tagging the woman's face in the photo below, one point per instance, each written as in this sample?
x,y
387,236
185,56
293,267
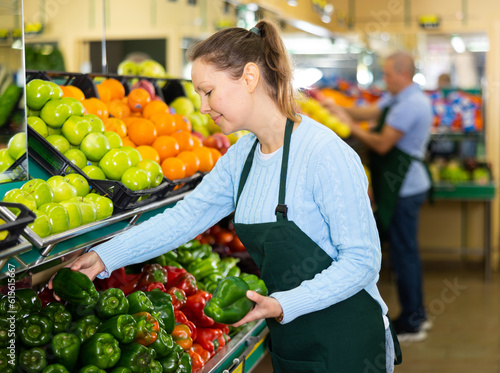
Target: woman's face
x,y
222,97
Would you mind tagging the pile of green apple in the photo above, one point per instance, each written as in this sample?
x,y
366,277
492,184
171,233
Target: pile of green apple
x,y
83,140
60,203
16,147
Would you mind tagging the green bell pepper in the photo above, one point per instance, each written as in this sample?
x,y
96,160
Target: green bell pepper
x,y
255,283
233,271
122,327
5,331
136,357
162,303
66,348
85,327
6,360
91,369
33,360
59,315
78,310
147,328
26,299
139,302
170,362
164,259
163,345
35,330
101,350
187,255
55,368
229,302
121,370
184,364
22,314
201,268
75,287
226,264
111,302
155,367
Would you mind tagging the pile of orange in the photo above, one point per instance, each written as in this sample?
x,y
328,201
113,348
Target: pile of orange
x,y
148,126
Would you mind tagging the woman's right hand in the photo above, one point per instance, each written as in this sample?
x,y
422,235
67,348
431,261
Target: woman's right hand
x,y
89,264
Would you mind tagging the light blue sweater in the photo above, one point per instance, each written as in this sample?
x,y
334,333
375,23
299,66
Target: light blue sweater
x,y
326,194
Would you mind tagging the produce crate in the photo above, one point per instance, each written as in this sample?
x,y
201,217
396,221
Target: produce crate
x,y
173,89
14,227
55,163
82,81
18,171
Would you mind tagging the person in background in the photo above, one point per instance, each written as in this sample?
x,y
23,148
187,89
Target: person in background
x,y
400,180
444,81
300,205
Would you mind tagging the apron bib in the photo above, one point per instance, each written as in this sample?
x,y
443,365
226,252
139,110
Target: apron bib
x,y
346,337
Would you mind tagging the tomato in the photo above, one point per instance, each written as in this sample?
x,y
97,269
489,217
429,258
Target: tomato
x,y
224,237
236,245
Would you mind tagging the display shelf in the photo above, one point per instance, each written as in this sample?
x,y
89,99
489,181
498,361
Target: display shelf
x,y
457,136
242,352
464,191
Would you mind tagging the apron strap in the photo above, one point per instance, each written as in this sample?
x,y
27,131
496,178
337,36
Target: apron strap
x,y
281,209
246,171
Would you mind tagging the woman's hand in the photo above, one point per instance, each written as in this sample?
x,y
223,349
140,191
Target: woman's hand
x,y
89,264
265,307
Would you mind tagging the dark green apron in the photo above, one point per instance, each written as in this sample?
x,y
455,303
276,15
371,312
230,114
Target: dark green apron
x,y
387,174
347,337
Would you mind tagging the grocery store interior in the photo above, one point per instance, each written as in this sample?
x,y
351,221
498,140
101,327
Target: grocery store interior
x,y
133,139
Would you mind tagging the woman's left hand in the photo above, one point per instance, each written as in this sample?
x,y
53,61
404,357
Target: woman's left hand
x,y
264,308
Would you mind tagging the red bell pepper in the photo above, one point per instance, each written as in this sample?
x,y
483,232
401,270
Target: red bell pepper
x,y
182,336
116,279
156,285
204,354
180,318
210,339
152,273
223,327
147,328
47,296
194,309
197,361
173,273
178,297
131,284
186,282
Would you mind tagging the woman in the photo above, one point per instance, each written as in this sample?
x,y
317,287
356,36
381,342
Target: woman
x,y
299,194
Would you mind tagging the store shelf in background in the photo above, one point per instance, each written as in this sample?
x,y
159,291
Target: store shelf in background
x,y
464,191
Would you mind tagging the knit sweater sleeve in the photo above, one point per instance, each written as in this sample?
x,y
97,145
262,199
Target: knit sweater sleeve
x,y
207,204
340,191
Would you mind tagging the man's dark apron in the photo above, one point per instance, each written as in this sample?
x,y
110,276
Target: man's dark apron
x,y
347,337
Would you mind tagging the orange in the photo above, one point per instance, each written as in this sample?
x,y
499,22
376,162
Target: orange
x,y
118,109
97,107
115,88
191,162
153,107
127,142
104,93
128,120
166,146
173,168
138,98
148,152
72,91
164,122
206,158
216,154
185,140
196,142
116,125
142,131
182,123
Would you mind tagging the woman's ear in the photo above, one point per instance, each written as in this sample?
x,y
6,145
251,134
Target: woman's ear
x,y
251,76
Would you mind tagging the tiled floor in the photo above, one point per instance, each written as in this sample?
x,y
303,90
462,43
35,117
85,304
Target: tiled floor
x,y
465,311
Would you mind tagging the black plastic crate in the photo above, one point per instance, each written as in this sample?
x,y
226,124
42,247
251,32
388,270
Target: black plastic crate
x,y
173,89
18,171
16,226
55,163
82,81
34,74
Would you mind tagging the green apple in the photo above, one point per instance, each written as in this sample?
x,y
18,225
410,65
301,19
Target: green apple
x,y
54,131
154,171
32,113
135,156
94,146
75,129
94,172
56,90
115,141
55,112
103,205
59,142
150,67
41,224
5,160
58,216
87,209
38,92
17,195
115,163
79,182
38,125
17,145
40,190
76,157
75,105
127,67
96,124
135,179
62,190
74,213
182,105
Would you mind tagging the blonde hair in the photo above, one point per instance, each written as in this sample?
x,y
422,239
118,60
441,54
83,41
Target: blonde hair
x,y
232,48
